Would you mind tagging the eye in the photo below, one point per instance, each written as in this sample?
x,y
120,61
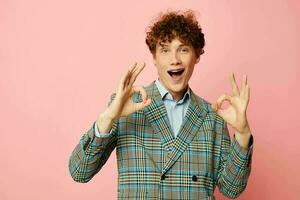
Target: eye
x,y
164,50
184,50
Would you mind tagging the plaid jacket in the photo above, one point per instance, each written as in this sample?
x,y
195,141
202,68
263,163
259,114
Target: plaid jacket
x,y
152,164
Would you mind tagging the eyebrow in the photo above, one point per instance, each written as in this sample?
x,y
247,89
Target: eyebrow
x,y
167,45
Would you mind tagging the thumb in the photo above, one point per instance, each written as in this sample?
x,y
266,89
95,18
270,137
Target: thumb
x,y
143,104
215,107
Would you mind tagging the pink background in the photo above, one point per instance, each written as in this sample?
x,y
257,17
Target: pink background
x,y
61,60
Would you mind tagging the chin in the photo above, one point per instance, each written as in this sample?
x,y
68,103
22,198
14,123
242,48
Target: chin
x,y
178,88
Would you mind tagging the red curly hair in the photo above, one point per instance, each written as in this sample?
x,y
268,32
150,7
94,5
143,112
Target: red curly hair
x,y
176,24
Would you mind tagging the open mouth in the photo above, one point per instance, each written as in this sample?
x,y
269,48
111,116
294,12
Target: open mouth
x,y
175,72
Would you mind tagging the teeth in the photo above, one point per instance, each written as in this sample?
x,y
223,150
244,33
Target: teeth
x,y
175,70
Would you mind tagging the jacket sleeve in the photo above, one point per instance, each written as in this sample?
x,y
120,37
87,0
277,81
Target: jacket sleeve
x,y
91,153
235,165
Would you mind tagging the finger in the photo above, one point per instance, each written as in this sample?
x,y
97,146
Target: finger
x,y
235,89
220,100
130,71
141,90
136,68
244,82
145,100
141,105
214,107
247,94
136,73
123,80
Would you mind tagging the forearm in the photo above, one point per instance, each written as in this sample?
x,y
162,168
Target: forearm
x,y
235,162
105,121
90,155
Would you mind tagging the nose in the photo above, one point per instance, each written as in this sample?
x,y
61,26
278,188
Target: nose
x,y
175,59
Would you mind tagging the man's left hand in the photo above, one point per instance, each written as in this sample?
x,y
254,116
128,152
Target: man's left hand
x,y
235,114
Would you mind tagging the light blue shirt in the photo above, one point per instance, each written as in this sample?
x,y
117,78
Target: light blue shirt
x,y
176,110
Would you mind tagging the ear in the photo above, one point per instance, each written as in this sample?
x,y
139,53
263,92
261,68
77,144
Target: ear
x,y
154,59
198,59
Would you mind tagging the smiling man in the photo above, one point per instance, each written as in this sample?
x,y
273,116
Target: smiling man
x,y
170,143
175,63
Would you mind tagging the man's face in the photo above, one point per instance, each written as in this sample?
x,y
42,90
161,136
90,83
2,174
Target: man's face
x,y
175,63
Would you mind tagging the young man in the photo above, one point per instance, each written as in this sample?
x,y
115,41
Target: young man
x,y
170,143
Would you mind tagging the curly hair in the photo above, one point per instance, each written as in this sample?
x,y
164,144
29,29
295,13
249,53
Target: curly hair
x,y
176,24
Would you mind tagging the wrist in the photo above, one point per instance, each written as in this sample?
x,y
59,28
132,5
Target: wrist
x,y
243,139
243,128
107,115
105,121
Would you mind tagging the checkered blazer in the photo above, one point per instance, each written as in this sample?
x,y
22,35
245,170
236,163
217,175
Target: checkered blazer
x,y
152,164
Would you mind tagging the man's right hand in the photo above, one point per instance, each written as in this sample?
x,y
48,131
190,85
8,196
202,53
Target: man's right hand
x,y
123,104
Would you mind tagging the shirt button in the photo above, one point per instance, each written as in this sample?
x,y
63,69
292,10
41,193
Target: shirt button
x,y
163,177
194,178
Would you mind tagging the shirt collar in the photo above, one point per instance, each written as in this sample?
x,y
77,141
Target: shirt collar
x,y
165,94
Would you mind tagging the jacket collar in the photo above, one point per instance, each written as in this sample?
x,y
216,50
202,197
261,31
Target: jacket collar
x,y
165,94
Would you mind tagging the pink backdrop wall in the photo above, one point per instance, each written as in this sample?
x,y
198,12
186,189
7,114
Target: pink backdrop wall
x,y
61,60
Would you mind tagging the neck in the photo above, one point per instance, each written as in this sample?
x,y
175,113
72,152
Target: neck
x,y
177,96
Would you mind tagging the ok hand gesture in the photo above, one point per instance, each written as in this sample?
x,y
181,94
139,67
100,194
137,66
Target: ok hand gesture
x,y
235,114
123,105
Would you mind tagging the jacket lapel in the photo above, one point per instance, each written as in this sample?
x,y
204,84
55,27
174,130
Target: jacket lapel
x,y
191,124
157,115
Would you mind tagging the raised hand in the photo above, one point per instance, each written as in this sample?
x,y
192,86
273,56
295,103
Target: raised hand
x,y
123,105
235,114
